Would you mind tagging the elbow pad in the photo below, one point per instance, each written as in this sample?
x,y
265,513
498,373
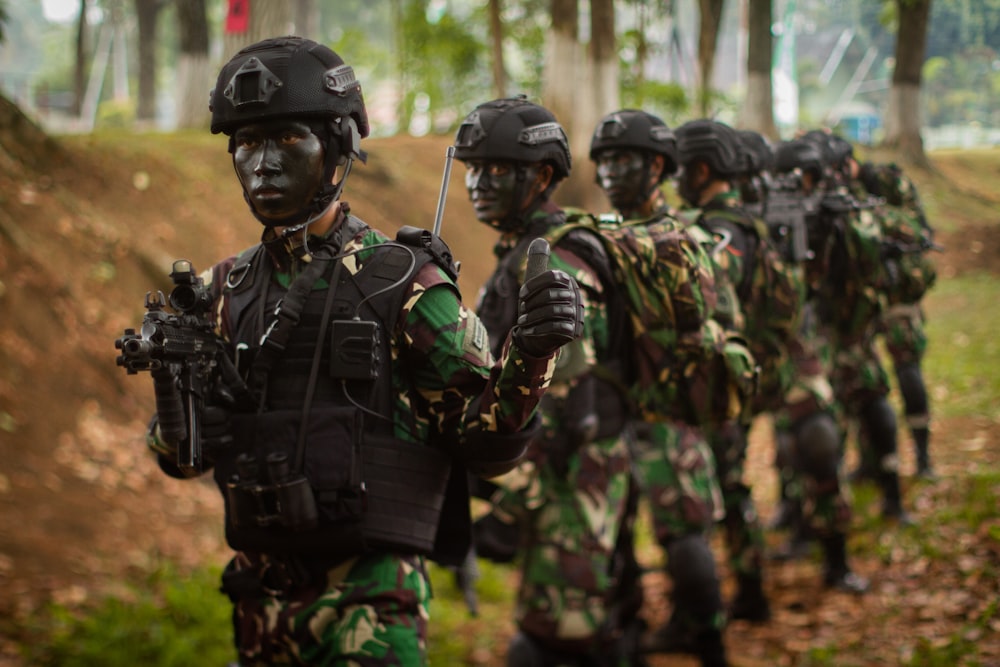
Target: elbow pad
x,y
487,454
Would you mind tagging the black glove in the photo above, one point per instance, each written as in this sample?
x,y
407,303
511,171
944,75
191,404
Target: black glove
x,y
550,313
216,429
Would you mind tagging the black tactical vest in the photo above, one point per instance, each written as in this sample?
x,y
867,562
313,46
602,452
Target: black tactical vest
x,y
317,468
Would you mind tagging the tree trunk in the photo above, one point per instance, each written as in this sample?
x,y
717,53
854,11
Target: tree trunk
x,y
565,79
404,112
147,13
708,35
600,99
496,40
268,18
902,123
758,107
194,71
80,70
306,20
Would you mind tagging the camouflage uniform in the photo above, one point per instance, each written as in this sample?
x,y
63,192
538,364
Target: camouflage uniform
x,y
674,463
724,218
372,608
911,274
850,301
570,494
352,392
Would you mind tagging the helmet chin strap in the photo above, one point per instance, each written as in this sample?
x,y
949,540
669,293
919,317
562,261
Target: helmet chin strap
x,y
328,195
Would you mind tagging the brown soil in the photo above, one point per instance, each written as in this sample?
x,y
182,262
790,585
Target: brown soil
x,y
88,225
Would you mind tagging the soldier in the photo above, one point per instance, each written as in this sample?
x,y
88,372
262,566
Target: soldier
x,y
749,277
363,388
847,281
808,434
634,153
909,240
569,498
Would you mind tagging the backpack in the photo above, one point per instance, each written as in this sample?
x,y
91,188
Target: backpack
x,y
678,363
910,272
770,296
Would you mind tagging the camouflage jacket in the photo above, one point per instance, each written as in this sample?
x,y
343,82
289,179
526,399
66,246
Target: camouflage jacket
x,y
847,275
587,379
767,292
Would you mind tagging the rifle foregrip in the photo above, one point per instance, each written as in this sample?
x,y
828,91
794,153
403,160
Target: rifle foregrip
x,y
170,410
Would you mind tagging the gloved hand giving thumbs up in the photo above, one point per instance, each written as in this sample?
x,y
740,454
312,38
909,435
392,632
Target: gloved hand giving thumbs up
x,y
550,311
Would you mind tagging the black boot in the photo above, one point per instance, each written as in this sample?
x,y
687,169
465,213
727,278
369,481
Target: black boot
x,y
750,603
921,438
892,501
676,636
836,572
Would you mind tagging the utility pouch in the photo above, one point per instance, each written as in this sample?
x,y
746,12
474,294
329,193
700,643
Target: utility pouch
x,y
273,506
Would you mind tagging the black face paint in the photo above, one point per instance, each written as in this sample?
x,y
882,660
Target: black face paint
x,y
497,190
280,165
623,176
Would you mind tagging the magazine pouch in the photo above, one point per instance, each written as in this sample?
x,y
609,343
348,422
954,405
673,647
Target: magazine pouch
x,y
273,506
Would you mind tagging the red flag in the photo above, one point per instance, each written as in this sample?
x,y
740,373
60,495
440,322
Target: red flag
x,y
238,16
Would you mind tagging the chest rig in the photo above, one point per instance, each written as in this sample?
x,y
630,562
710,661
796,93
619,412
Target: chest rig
x,y
317,466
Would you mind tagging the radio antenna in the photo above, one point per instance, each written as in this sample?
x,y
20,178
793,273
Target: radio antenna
x,y
449,157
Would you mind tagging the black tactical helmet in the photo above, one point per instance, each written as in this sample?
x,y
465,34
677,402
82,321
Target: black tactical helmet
x,y
286,77
713,142
514,130
293,77
836,149
631,129
799,154
758,152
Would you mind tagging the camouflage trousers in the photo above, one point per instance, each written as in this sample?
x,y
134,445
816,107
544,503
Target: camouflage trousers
x,y
570,521
857,374
823,504
902,326
742,529
677,475
369,611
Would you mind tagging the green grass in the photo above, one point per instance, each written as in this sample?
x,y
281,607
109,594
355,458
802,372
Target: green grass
x,y
168,618
962,366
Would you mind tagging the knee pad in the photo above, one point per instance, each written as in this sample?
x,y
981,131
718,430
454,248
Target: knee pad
x,y
784,444
911,386
879,421
817,441
691,566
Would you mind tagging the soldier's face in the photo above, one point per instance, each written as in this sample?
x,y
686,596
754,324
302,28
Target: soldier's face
x,y
620,173
280,164
494,191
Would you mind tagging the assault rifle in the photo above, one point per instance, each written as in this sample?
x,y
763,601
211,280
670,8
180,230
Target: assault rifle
x,y
183,356
788,210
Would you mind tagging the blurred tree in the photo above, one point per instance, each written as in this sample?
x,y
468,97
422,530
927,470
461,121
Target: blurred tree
x,y
710,13
581,85
495,9
80,64
902,122
147,13
758,107
249,21
195,75
306,20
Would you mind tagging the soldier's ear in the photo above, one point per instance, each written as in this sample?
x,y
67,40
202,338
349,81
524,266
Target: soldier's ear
x,y
543,178
656,168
